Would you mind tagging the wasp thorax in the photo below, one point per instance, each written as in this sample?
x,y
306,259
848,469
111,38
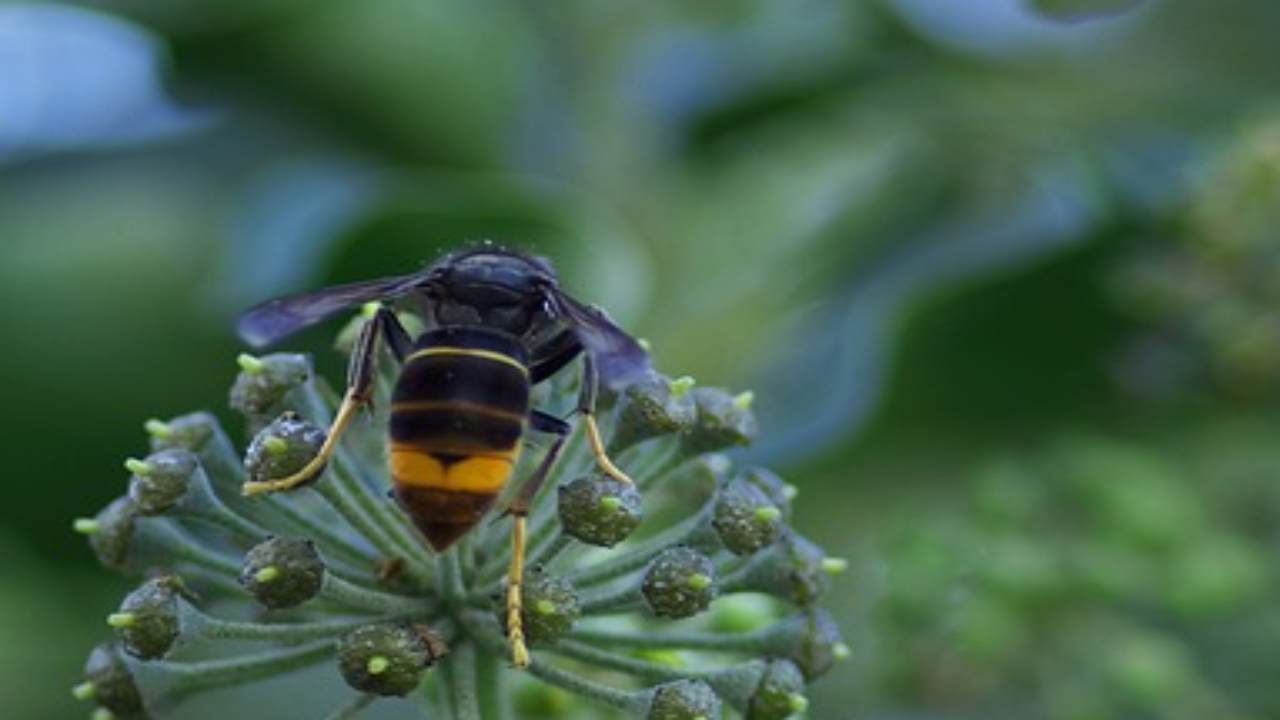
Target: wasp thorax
x,y
385,659
679,583
283,572
684,700
282,448
161,480
599,510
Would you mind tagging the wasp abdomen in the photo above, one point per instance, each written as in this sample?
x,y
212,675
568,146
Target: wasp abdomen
x,y
458,412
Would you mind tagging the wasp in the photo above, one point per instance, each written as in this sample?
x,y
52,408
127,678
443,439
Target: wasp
x,y
496,324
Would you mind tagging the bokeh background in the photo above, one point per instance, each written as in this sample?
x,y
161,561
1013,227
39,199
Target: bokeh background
x,y
1003,274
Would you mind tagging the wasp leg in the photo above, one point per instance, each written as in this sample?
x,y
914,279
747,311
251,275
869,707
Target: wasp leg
x,y
519,511
553,355
586,407
383,326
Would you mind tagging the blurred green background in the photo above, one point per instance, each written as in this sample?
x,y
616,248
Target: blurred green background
x,y
1004,275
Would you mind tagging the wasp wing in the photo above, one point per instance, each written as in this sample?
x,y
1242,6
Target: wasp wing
x,y
617,355
274,319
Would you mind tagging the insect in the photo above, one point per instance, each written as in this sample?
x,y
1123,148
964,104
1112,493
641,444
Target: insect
x,y
497,323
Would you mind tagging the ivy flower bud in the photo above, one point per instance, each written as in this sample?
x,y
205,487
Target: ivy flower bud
x,y
653,407
282,572
108,682
282,448
259,390
161,481
794,569
550,607
111,532
816,644
679,583
599,510
385,659
779,492
780,693
744,518
723,421
188,432
684,700
147,621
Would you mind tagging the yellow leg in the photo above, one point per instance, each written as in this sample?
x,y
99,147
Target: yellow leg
x,y
597,449
345,413
515,598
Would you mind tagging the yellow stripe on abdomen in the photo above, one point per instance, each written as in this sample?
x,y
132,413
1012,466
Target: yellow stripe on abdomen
x,y
487,473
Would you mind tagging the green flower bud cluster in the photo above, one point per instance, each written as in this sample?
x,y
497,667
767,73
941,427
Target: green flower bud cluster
x,y
238,589
1209,297
1097,557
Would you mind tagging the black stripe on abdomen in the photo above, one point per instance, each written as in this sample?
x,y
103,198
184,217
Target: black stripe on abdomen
x,y
462,378
455,427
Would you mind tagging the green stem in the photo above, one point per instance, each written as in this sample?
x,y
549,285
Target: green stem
x,y
458,673
327,538
673,464
355,596
221,462
353,708
496,703
546,554
657,458
336,495
212,628
391,520
468,551
641,554
630,702
450,574
595,657
210,581
192,677
241,529
758,642
163,534
623,599
739,578
203,503
484,629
